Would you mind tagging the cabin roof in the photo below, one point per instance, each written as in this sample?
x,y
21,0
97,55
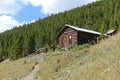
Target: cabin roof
x,y
83,30
79,29
110,31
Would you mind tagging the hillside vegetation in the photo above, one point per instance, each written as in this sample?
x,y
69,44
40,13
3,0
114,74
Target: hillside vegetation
x,y
11,70
97,62
19,42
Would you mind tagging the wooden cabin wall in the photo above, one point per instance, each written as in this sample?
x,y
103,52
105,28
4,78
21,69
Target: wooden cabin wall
x,y
84,37
68,37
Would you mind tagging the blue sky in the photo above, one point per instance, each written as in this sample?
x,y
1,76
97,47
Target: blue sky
x,y
29,13
18,12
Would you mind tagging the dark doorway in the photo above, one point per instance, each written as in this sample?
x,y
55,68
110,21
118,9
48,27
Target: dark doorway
x,y
62,41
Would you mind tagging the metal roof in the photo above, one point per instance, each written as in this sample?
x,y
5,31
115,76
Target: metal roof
x,y
110,31
83,30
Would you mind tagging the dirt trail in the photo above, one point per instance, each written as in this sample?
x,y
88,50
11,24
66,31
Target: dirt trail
x,y
31,75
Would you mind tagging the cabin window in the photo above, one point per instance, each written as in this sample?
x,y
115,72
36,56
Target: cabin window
x,y
70,39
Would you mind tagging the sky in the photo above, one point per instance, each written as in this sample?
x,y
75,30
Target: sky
x,y
14,13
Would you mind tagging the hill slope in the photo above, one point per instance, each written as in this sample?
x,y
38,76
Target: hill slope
x,y
19,42
98,62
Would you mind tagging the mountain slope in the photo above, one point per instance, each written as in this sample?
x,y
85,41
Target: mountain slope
x,y
19,42
97,62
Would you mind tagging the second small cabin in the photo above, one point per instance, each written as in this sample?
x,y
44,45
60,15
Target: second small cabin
x,y
71,35
110,33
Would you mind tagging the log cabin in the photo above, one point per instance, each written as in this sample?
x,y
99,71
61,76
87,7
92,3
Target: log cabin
x,y
71,35
110,33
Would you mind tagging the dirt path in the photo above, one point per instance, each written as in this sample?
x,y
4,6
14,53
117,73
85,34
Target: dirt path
x,y
31,75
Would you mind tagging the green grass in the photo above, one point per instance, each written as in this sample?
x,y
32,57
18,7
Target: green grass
x,y
97,62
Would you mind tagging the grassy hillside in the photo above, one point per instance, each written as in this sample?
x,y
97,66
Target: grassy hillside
x,y
11,70
97,62
99,16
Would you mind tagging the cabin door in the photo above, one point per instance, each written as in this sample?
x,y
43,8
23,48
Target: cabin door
x,y
62,41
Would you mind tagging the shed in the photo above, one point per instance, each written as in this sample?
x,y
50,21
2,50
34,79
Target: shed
x,y
71,35
110,33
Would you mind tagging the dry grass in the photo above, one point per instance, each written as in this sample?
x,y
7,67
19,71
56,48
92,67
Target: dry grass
x,y
16,69
99,62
